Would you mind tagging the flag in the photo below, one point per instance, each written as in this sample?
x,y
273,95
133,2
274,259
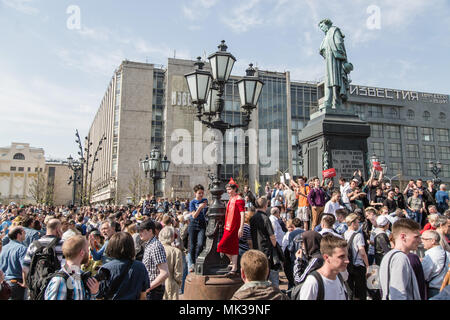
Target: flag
x,y
257,186
330,173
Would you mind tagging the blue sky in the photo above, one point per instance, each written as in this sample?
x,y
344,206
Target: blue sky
x,y
53,78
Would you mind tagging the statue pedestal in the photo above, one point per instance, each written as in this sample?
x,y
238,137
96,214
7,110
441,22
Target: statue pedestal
x,y
334,139
198,287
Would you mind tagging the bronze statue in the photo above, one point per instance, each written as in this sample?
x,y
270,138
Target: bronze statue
x,y
338,68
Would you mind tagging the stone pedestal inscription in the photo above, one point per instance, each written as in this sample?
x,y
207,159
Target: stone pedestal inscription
x,y
347,161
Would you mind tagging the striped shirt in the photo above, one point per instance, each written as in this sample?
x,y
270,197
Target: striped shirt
x,y
45,240
243,242
154,254
57,287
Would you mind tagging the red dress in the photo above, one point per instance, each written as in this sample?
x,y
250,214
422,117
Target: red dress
x,y
229,244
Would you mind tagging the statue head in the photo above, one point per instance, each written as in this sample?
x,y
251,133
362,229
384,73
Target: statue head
x,y
325,24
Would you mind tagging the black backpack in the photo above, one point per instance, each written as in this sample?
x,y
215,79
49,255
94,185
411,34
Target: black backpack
x,y
295,293
351,266
44,265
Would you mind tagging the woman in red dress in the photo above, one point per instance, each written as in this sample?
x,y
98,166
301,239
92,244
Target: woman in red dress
x,y
234,226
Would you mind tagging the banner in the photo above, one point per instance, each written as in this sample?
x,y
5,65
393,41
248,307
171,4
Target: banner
x,y
377,166
330,173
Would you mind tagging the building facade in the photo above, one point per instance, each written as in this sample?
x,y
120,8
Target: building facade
x,y
408,129
20,168
58,174
27,178
147,105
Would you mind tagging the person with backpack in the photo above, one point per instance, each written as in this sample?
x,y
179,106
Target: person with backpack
x,y
11,258
308,256
68,283
381,240
327,283
47,249
397,278
129,279
358,260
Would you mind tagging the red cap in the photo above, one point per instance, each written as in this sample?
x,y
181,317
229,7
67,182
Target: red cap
x,y
232,183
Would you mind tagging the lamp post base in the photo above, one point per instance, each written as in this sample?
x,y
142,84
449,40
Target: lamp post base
x,y
211,287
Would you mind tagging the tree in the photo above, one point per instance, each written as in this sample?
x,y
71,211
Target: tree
x,y
38,188
137,187
241,179
49,193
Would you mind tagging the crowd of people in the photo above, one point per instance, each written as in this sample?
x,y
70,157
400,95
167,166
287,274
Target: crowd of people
x,y
355,241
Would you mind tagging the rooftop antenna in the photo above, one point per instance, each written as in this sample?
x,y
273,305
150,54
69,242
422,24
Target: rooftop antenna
x,y
204,55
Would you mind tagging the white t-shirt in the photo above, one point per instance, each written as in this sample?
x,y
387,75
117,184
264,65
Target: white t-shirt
x,y
333,289
279,234
358,241
344,191
331,207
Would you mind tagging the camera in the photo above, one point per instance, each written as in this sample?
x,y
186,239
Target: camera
x,y
102,275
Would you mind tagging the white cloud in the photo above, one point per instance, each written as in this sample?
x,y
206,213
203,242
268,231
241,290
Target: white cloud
x,y
95,62
22,6
197,9
43,113
98,34
162,51
244,17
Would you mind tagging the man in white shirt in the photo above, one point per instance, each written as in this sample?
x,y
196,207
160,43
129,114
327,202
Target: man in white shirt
x,y
333,204
397,278
277,198
345,190
357,274
279,233
435,263
334,253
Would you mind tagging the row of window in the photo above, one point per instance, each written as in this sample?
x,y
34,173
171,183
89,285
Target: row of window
x,y
394,150
377,111
22,169
413,169
410,133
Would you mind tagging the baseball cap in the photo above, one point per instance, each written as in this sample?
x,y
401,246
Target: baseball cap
x,y
382,221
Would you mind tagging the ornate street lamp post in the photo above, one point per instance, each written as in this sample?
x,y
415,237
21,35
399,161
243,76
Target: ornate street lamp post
x,y
207,90
435,168
154,167
76,178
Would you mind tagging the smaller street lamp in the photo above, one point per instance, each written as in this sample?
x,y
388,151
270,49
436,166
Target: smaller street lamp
x,y
435,168
154,167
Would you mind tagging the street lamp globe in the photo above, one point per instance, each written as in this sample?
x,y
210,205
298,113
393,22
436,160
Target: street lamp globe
x,y
383,165
222,63
439,165
250,88
165,164
211,106
198,83
155,156
145,164
374,158
70,160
